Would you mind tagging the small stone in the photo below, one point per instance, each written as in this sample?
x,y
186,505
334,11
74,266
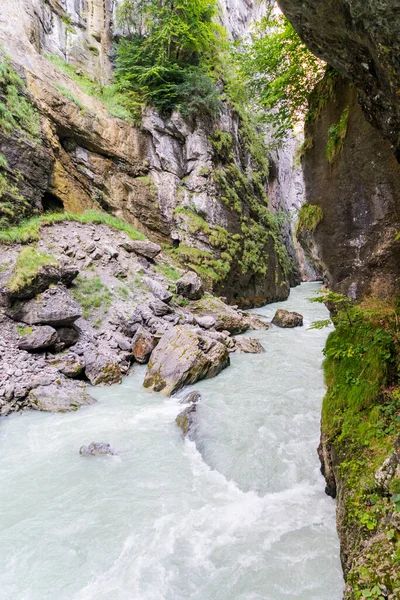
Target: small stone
x,y
97,449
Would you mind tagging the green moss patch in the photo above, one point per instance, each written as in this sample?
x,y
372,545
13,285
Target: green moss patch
x,y
28,265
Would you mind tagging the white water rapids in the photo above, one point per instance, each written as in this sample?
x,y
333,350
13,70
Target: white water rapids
x,y
241,517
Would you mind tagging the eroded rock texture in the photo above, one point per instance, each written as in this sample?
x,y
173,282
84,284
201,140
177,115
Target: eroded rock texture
x,y
361,40
359,194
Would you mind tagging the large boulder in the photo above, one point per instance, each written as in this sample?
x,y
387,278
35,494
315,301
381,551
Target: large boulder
x,y
226,317
60,398
39,339
68,335
158,289
143,345
46,276
54,307
143,248
284,318
190,286
101,369
181,358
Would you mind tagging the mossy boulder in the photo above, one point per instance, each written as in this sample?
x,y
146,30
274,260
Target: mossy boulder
x,y
181,358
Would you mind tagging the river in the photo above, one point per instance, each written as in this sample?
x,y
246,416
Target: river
x,y
240,516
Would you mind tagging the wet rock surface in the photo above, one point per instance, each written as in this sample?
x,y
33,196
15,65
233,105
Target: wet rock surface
x,y
183,357
97,449
287,319
58,397
187,421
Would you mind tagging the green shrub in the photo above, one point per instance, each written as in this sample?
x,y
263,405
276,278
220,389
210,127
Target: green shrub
x,y
310,216
337,135
16,109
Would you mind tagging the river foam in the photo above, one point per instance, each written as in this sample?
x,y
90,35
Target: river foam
x,y
239,515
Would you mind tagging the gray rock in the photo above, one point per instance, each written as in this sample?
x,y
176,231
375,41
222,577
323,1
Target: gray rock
x,y
60,398
158,289
182,358
110,251
70,365
143,248
187,421
54,307
227,318
190,286
286,319
160,309
206,322
143,345
101,369
247,345
190,398
97,448
68,335
47,275
40,339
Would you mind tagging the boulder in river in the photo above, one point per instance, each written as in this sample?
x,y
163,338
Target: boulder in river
x,y
181,358
226,317
54,307
187,420
247,345
39,339
286,319
97,448
190,286
59,398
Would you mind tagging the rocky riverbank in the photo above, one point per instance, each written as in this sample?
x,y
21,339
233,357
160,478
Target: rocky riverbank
x,y
86,301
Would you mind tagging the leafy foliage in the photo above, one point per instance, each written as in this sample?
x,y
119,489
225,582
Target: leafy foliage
x,y
169,54
280,70
310,216
337,135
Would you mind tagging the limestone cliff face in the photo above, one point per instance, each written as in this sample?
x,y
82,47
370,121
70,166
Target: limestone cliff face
x,y
159,176
361,40
352,175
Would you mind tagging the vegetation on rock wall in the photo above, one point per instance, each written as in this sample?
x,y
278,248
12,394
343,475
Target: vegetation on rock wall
x,y
280,71
360,426
337,135
309,217
169,54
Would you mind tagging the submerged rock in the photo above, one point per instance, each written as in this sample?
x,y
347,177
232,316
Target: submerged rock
x,y
187,420
97,448
181,358
190,286
60,398
190,398
286,319
40,339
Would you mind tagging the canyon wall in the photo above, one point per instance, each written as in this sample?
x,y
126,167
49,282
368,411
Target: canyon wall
x,y
168,177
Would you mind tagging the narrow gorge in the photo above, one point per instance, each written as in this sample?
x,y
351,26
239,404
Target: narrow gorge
x,y
200,250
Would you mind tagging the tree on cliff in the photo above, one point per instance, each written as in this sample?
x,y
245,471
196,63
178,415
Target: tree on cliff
x,y
169,53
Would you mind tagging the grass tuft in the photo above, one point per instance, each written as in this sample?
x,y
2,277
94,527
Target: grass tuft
x,y
29,231
28,265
